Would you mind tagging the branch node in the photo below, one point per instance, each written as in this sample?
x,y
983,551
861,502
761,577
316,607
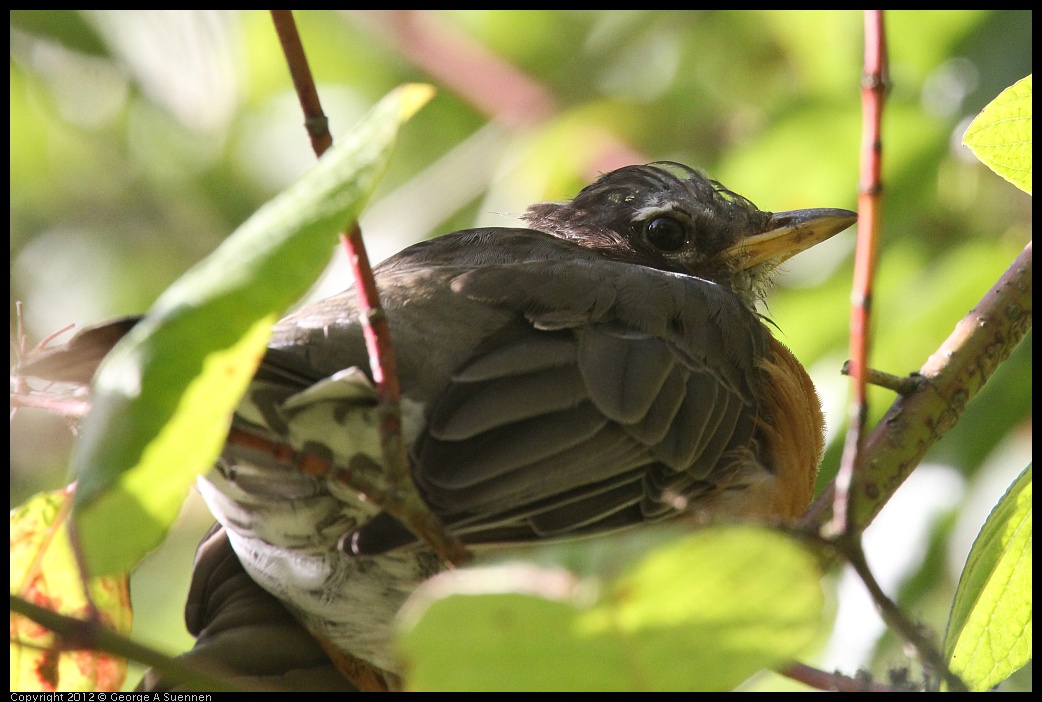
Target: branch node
x,y
901,384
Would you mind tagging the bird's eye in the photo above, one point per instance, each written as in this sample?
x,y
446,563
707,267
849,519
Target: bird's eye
x,y
666,234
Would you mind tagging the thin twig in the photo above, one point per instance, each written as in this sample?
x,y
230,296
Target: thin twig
x,y
404,502
80,634
901,384
64,406
929,655
873,93
832,682
315,120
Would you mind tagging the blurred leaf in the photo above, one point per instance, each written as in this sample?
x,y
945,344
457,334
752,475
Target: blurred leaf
x,y
1000,136
163,397
44,571
65,27
700,613
989,633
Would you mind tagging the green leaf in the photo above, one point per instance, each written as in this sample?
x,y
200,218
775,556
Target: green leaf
x,y
163,398
989,631
1000,136
700,613
44,571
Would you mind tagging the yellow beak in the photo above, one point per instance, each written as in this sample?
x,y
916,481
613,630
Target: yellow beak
x,y
789,233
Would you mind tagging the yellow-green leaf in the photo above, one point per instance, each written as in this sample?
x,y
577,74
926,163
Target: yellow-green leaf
x,y
703,612
989,632
1000,136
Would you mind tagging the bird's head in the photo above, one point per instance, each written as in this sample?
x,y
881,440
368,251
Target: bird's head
x,y
668,216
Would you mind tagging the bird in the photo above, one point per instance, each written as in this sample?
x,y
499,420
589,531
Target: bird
x,y
602,368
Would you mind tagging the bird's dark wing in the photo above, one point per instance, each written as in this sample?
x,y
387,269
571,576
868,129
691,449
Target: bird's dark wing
x,y
608,385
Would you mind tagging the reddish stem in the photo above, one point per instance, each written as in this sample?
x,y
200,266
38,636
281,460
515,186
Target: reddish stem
x,y
873,93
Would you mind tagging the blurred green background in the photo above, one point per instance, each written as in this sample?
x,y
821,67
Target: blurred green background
x,y
140,139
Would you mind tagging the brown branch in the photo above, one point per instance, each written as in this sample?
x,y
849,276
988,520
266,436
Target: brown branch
x,y
832,682
951,377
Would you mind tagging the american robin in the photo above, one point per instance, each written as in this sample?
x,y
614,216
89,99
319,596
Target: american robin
x,y
604,368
